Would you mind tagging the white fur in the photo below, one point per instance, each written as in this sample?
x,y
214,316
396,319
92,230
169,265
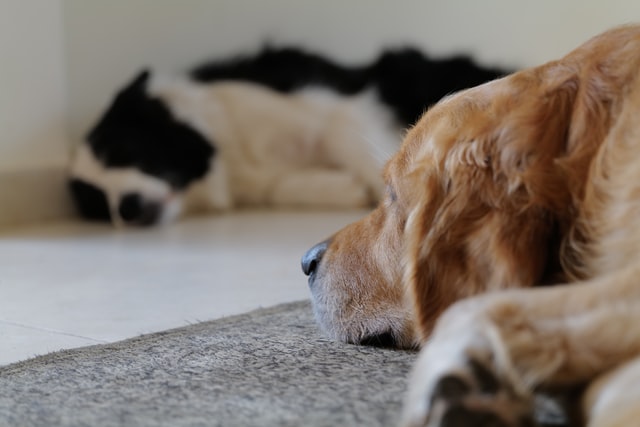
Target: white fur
x,y
312,148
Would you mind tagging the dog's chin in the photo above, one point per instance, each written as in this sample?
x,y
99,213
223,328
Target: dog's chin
x,y
401,338
391,328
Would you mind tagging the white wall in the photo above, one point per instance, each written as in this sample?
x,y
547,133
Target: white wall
x,y
32,85
61,60
34,143
108,41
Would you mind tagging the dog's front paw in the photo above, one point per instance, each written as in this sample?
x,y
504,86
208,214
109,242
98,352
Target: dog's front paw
x,y
467,393
464,375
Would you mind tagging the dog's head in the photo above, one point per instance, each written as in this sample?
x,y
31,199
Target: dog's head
x,y
137,161
475,199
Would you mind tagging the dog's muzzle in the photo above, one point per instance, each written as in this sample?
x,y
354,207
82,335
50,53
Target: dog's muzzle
x,y
133,209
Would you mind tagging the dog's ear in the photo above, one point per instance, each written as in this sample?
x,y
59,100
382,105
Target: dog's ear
x,y
141,80
529,142
486,208
128,99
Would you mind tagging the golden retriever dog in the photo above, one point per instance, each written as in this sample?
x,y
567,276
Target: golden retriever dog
x,y
499,190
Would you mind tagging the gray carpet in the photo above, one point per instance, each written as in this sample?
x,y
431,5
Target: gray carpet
x,y
270,367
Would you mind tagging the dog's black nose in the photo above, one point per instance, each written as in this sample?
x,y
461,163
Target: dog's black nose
x,y
133,209
130,207
311,259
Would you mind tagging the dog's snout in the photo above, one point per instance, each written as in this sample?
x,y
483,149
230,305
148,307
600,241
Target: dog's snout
x,y
133,209
311,259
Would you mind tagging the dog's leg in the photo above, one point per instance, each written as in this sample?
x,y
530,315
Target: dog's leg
x,y
612,400
320,188
487,353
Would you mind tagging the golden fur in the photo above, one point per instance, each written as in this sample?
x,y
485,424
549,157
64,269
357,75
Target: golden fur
x,y
529,180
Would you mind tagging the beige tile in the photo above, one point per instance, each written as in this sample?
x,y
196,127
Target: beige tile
x,y
102,284
19,342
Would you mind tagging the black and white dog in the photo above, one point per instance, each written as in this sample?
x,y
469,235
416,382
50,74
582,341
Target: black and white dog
x,y
281,128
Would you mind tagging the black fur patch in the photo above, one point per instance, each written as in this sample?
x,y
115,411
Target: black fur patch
x,y
139,131
90,201
407,81
286,70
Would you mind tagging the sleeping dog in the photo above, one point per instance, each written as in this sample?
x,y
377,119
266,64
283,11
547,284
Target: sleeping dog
x,y
497,191
281,128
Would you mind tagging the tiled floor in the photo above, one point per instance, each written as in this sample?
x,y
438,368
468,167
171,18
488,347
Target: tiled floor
x,y
75,284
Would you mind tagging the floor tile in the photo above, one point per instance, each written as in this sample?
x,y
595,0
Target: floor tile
x,y
21,342
93,282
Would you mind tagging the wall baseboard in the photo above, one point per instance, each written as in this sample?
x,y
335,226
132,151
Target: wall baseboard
x,y
34,196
